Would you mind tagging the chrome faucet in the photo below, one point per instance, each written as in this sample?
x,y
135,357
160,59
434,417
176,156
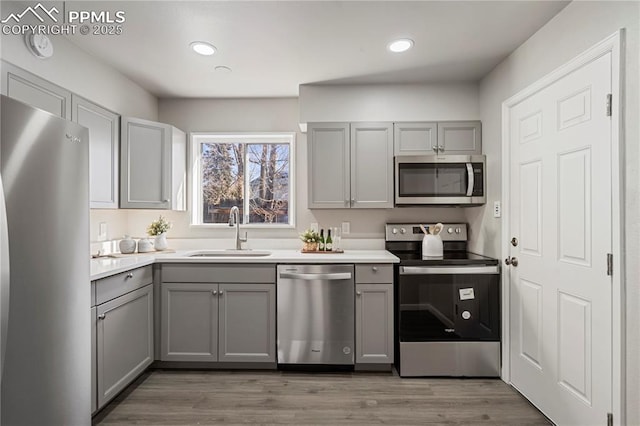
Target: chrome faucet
x,y
234,220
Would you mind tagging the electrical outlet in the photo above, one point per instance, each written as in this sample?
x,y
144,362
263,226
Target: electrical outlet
x,y
497,209
314,226
346,228
102,231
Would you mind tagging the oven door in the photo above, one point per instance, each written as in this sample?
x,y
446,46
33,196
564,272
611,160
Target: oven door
x,y
436,180
441,303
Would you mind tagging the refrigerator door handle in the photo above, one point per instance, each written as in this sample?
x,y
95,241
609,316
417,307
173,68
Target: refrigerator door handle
x,y
4,278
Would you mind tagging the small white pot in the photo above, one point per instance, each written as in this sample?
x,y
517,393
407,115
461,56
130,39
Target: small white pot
x,y
145,245
160,242
127,245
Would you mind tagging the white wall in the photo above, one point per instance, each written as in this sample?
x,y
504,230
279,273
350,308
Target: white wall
x,y
576,28
196,115
389,102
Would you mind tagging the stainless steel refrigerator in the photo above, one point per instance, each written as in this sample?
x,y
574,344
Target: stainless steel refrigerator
x,y
44,256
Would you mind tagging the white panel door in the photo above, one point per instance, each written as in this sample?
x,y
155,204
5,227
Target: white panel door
x,y
560,204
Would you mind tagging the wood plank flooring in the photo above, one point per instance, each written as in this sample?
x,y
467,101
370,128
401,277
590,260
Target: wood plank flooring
x,y
170,397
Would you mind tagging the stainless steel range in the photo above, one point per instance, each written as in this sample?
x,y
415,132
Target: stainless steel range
x,y
447,309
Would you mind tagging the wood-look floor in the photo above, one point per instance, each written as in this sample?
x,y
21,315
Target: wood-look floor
x,y
165,397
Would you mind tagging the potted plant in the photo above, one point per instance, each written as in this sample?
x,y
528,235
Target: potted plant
x,y
310,239
158,229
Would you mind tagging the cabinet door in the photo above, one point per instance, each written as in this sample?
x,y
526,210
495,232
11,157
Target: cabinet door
x,y
189,322
146,164
460,137
125,341
371,165
104,151
247,323
35,91
94,367
415,138
374,323
329,165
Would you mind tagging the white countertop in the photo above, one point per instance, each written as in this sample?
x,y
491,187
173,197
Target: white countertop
x,y
104,267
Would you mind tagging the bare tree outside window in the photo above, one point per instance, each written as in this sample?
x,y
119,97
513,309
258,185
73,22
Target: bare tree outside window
x,y
232,172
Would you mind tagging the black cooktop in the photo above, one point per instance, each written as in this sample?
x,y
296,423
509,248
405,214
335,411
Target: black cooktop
x,y
449,258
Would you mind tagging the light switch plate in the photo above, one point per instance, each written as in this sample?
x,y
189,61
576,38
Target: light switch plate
x,y
314,226
102,231
346,228
497,209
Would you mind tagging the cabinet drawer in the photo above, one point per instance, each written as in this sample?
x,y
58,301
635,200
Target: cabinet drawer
x,y
241,273
111,287
374,273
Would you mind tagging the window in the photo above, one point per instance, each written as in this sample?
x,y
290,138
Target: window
x,y
250,171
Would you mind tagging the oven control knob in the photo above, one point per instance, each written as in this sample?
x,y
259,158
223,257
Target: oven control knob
x,y
403,231
394,231
450,230
458,230
466,315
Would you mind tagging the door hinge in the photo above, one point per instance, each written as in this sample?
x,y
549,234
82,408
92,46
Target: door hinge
x,y
609,419
609,264
609,104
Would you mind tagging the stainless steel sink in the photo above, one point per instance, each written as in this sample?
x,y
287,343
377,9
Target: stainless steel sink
x,y
229,253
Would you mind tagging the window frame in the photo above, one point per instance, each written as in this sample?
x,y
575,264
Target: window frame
x,y
195,178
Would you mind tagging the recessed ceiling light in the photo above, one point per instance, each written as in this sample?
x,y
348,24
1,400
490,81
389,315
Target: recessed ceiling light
x,y
203,48
223,69
401,45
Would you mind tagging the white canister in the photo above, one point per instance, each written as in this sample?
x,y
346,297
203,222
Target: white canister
x,y
432,247
145,246
127,245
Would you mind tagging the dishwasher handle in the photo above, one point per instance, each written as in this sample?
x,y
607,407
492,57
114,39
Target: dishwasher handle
x,y
313,277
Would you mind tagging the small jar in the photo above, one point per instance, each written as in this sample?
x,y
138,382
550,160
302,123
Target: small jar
x,y
127,245
145,246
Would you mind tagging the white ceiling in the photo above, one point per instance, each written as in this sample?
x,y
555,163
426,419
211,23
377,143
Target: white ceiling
x,y
273,46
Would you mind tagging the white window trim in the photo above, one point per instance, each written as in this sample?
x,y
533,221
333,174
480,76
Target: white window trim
x,y
194,177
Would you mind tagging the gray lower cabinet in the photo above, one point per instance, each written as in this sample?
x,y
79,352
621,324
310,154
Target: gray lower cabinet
x,y
218,322
35,91
350,165
374,314
94,366
104,151
124,341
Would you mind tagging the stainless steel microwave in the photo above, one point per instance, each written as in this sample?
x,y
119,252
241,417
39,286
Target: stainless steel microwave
x,y
440,180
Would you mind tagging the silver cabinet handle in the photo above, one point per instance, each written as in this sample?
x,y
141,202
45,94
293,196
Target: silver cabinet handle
x,y
102,316
374,269
358,293
166,200
435,148
214,292
441,148
220,292
129,275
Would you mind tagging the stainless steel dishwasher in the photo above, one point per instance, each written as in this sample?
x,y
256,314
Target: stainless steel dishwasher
x,y
315,314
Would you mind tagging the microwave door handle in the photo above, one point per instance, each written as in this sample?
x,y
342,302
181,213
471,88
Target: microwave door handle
x,y
471,180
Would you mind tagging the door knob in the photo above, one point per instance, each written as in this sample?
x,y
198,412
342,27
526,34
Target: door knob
x,y
513,261
514,242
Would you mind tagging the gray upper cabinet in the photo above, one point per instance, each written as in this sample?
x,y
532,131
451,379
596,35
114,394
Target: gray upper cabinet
x,y
153,170
415,138
371,165
124,341
247,323
329,166
35,91
189,322
460,137
350,165
104,151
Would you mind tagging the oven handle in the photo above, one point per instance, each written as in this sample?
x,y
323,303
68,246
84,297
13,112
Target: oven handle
x,y
444,270
471,180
